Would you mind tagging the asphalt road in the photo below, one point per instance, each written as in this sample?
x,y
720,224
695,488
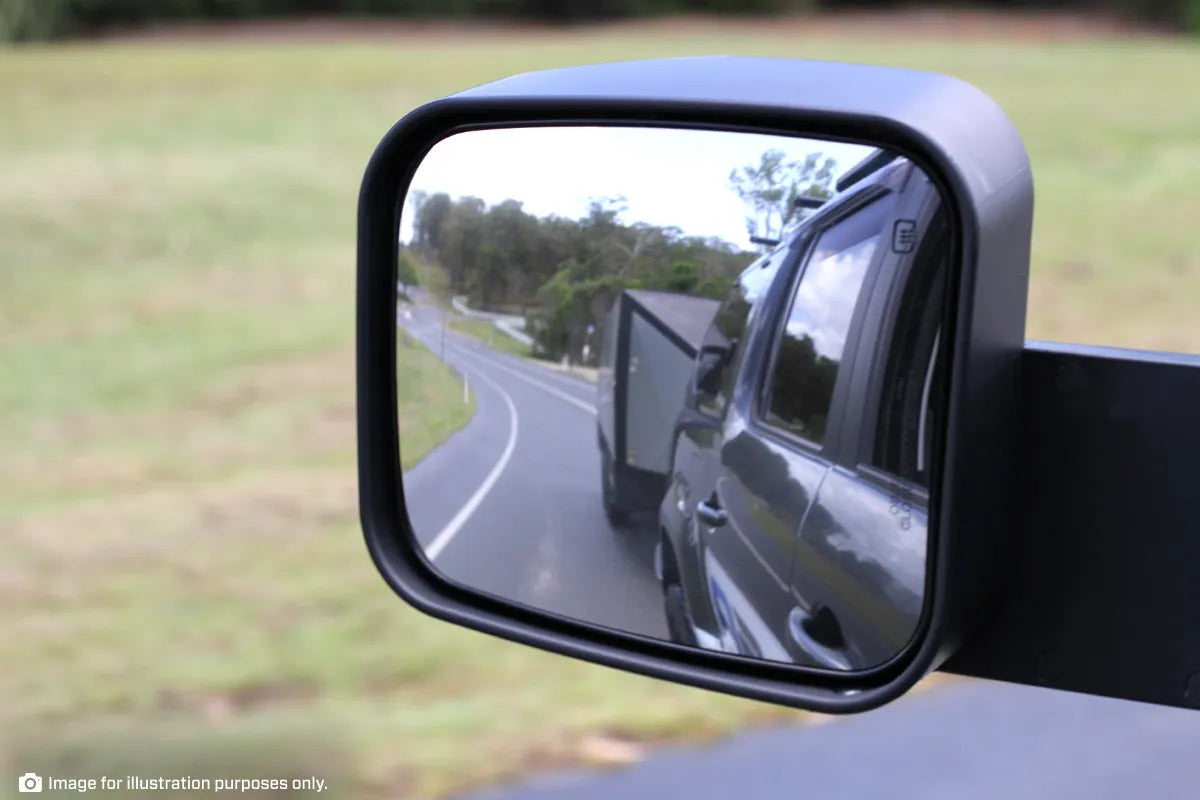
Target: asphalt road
x,y
967,740
510,505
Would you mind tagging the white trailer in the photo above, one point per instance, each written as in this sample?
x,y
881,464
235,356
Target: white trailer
x,y
649,342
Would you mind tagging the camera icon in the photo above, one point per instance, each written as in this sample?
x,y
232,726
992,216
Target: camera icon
x,y
29,782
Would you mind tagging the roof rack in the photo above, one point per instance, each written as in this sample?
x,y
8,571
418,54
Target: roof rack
x,y
863,169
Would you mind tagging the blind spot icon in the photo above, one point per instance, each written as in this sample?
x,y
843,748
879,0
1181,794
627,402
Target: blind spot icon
x,y
904,235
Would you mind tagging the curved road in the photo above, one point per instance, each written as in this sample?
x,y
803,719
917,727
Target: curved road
x,y
511,503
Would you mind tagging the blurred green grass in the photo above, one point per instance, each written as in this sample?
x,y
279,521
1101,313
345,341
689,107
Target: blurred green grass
x,y
183,568
485,331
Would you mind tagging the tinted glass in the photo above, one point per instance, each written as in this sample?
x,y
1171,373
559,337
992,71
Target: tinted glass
x,y
814,337
726,332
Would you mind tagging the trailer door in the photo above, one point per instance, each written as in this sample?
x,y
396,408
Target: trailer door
x,y
658,377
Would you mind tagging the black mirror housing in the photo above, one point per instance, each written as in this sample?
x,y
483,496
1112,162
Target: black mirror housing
x,y
954,132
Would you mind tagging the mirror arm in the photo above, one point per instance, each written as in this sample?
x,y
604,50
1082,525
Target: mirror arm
x,y
1102,585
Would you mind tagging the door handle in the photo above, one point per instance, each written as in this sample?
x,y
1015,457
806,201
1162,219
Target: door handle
x,y
710,513
819,636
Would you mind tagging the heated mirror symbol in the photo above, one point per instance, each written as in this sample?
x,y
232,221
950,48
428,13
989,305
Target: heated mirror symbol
x,y
904,235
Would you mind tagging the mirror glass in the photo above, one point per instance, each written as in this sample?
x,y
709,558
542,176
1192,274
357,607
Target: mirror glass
x,y
685,384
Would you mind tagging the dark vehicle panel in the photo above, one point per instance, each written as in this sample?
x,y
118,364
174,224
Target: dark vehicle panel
x,y
859,570
699,432
796,519
766,491
860,557
799,385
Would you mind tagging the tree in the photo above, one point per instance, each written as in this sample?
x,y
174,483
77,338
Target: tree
x,y
459,239
802,386
562,273
772,186
406,272
429,218
682,277
505,251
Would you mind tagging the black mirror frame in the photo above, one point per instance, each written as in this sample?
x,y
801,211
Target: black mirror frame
x,y
949,128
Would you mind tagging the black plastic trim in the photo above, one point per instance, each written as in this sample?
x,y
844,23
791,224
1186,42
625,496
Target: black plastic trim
x,y
1101,593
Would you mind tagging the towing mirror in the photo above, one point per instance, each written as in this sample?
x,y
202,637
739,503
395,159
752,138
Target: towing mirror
x,y
834,528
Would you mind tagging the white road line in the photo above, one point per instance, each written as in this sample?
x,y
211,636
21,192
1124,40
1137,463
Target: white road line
x,y
463,342
538,367
588,407
564,378
447,533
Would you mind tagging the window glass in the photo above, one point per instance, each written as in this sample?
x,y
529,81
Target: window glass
x,y
813,340
726,331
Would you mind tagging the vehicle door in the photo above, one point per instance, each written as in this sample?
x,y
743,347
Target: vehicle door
x,y
775,441
696,459
859,572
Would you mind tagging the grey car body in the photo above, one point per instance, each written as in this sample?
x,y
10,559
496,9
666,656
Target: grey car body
x,y
794,523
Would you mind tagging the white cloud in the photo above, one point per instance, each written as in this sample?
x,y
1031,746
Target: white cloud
x,y
825,300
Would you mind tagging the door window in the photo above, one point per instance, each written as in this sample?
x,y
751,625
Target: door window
x,y
818,322
724,335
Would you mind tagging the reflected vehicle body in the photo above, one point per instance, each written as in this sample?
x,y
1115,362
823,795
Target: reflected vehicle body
x,y
650,341
794,526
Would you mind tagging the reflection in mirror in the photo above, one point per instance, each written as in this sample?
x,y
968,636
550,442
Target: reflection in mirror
x,y
692,383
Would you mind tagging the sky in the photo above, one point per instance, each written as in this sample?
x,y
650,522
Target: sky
x,y
825,298
669,177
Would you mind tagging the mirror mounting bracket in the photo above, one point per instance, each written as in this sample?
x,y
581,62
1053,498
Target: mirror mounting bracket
x,y
1104,572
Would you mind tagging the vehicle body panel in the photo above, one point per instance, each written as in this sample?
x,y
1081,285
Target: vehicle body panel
x,y
822,559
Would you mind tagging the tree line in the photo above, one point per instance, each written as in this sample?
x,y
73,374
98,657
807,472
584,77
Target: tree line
x,y
47,19
562,274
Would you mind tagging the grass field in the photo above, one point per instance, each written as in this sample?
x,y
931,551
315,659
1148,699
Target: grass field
x,y
485,331
183,581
